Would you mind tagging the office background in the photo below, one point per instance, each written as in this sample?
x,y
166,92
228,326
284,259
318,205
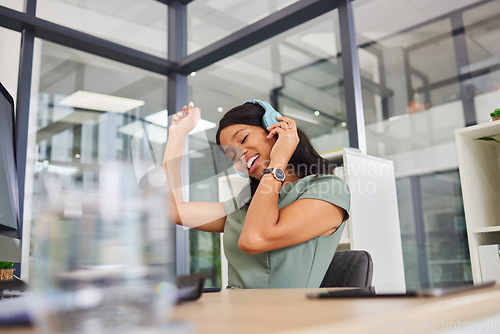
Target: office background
x,y
393,77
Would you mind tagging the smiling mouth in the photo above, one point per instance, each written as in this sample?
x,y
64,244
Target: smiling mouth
x,y
251,165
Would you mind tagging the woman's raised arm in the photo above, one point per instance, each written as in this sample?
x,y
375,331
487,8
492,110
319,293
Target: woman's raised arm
x,y
204,216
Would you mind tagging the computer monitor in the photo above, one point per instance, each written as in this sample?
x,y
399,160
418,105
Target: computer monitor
x,y
10,225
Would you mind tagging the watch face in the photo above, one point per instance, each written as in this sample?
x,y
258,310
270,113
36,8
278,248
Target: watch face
x,y
280,175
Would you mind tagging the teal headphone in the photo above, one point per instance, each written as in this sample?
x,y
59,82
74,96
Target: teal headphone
x,y
270,114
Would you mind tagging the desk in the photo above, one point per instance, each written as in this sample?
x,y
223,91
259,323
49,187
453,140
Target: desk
x,y
290,311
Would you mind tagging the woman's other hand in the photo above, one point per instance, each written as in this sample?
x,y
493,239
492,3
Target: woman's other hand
x,y
184,121
287,141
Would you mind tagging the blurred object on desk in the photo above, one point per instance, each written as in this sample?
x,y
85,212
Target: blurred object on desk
x,y
102,252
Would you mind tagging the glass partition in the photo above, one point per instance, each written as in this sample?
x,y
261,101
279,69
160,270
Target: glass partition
x,y
88,111
482,25
211,20
13,4
10,44
433,233
91,110
138,24
298,71
427,69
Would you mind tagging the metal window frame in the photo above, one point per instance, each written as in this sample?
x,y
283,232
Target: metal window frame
x,y
177,95
270,26
352,78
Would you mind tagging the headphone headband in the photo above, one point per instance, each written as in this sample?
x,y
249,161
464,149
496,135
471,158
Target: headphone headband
x,y
270,113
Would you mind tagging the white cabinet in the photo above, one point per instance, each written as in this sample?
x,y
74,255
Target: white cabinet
x,y
374,220
479,165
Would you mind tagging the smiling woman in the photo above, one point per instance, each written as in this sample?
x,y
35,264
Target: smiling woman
x,y
286,234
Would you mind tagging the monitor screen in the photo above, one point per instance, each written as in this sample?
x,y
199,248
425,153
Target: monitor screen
x,y
9,198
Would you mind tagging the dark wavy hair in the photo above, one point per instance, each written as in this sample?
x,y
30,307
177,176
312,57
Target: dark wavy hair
x,y
304,161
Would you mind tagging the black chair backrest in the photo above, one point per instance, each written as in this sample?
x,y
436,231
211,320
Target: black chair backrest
x,y
352,268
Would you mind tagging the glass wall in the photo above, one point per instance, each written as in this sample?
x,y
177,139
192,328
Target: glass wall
x,y
92,110
433,232
139,24
298,71
87,112
10,44
427,68
482,24
211,20
13,4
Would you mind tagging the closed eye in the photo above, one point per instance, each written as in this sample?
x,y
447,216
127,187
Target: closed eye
x,y
244,139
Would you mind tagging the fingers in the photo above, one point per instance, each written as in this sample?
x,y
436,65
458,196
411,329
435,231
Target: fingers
x,y
276,131
285,125
186,111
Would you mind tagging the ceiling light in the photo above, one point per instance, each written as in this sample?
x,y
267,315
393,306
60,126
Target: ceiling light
x,y
302,118
159,118
220,109
317,113
344,124
102,102
192,74
62,170
156,134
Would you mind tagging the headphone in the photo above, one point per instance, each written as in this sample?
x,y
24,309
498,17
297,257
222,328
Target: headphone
x,y
270,114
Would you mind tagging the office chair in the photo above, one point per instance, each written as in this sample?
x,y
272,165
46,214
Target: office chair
x,y
352,268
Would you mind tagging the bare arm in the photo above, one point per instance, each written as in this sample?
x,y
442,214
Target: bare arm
x,y
266,227
204,216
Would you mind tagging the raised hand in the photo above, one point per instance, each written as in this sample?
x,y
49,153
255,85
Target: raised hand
x,y
287,141
184,121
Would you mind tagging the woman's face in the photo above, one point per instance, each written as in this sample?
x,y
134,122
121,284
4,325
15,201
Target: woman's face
x,y
248,147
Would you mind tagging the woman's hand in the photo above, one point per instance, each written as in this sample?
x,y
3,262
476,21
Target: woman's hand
x,y
287,141
184,121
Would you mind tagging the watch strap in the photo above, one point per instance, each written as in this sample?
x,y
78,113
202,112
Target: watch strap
x,y
275,171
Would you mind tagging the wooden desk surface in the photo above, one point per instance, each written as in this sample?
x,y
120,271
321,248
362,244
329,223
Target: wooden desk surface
x,y
290,311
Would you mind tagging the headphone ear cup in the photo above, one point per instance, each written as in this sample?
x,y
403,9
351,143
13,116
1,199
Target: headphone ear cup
x,y
270,113
269,118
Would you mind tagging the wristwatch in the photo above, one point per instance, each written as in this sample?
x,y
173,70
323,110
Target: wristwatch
x,y
278,174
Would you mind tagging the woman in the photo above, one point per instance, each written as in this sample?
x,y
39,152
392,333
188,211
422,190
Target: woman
x,y
286,235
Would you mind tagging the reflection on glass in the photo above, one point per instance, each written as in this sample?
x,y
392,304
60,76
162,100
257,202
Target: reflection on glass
x,y
139,24
13,4
435,247
105,254
298,71
405,90
427,69
10,44
481,32
211,20
73,140
422,77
